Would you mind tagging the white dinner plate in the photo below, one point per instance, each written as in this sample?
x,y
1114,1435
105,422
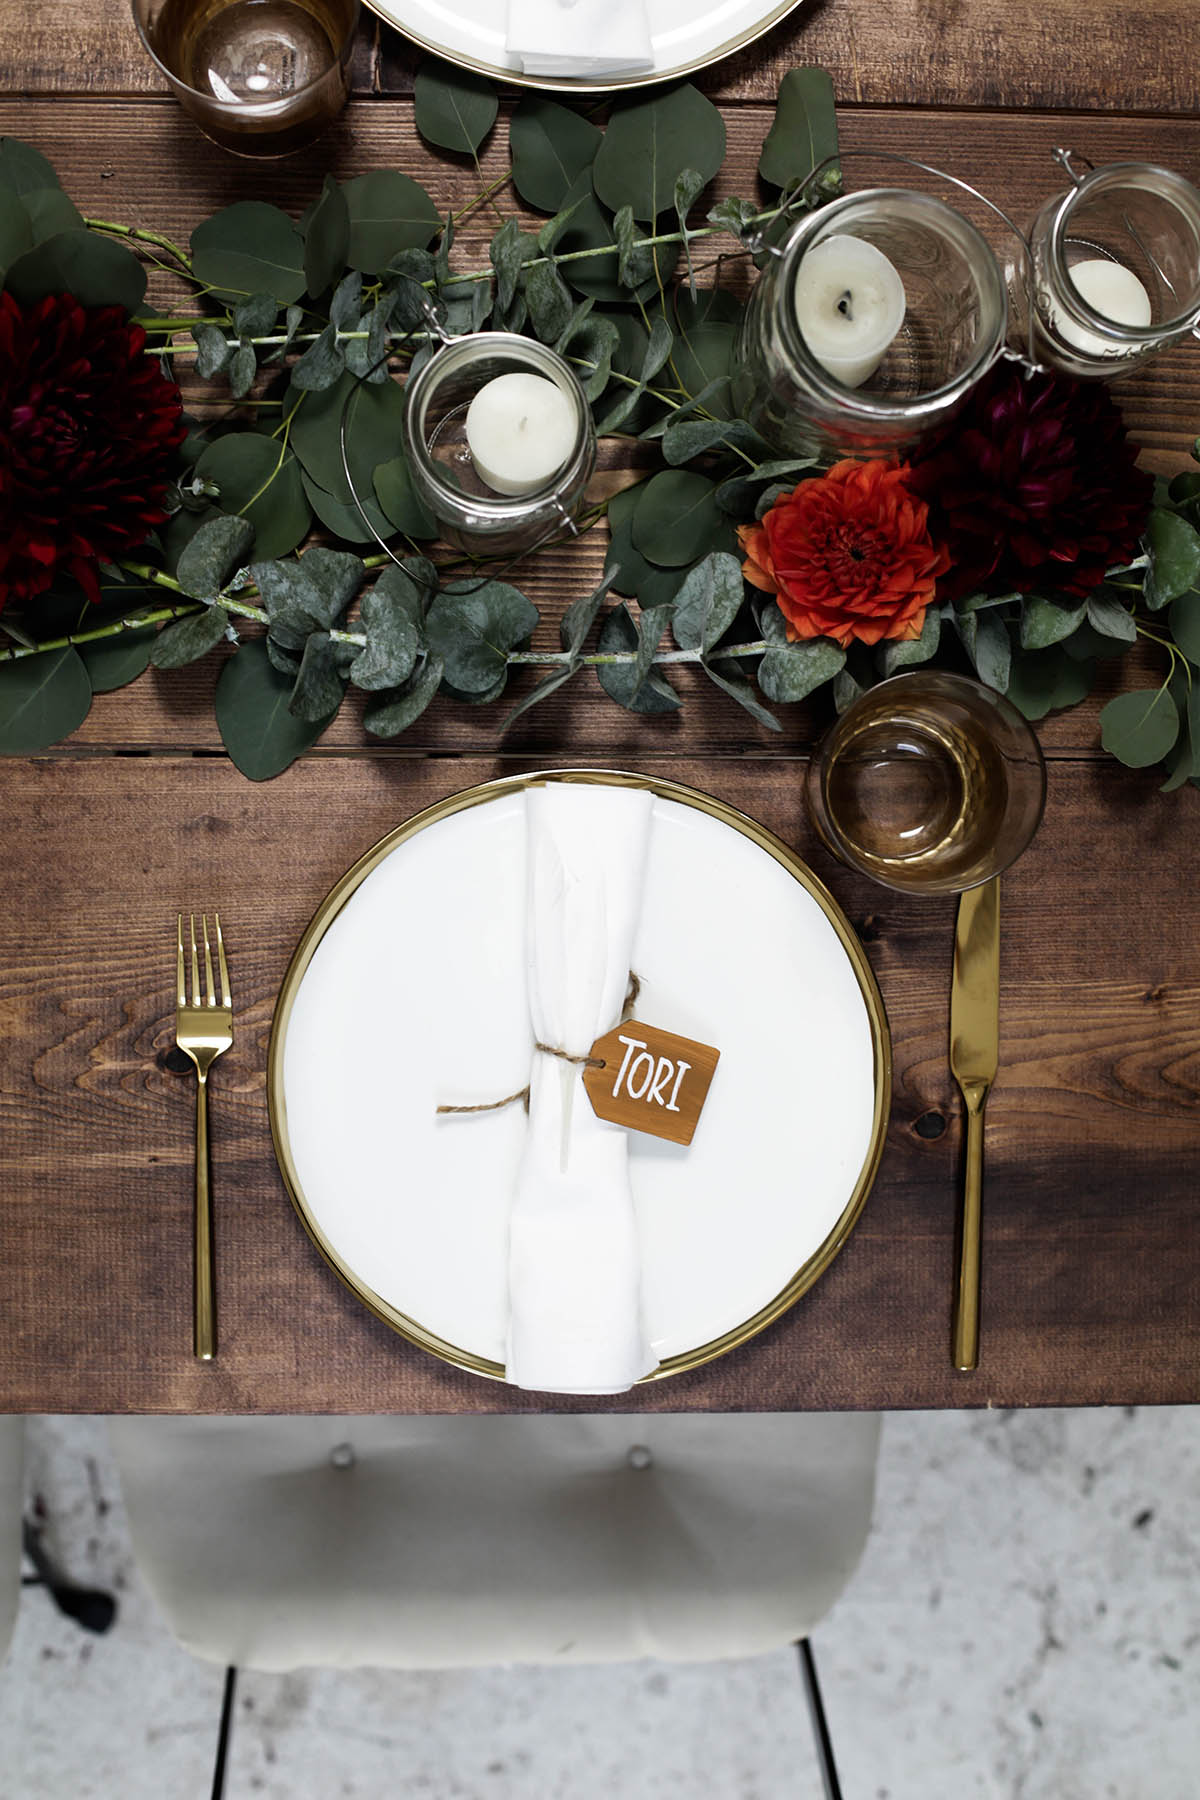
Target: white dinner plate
x,y
408,991
684,36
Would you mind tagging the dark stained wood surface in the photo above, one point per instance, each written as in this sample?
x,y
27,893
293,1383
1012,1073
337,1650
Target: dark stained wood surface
x,y
1091,1246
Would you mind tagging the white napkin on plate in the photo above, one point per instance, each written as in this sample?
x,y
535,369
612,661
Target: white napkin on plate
x,y
575,1324
579,37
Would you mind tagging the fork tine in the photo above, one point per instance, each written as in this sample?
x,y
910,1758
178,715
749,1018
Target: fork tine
x,y
195,962
181,990
210,986
225,1000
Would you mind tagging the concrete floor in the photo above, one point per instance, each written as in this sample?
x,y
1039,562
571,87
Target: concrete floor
x,y
1025,1626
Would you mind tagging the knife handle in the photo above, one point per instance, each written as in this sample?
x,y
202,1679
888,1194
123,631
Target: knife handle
x,y
966,1299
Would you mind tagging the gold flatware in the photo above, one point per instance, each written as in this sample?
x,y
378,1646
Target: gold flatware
x,y
974,1057
203,1029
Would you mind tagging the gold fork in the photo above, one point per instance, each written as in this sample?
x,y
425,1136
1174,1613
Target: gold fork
x,y
203,1029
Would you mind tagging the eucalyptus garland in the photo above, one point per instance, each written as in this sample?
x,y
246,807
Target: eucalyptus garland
x,y
284,319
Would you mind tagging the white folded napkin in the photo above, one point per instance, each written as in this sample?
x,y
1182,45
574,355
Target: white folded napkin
x,y
575,1324
579,37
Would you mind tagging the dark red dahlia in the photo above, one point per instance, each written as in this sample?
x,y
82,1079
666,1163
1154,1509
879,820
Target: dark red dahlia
x,y
87,427
1034,488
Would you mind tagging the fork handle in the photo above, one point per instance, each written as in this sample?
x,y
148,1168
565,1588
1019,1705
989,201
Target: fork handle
x,y
203,1309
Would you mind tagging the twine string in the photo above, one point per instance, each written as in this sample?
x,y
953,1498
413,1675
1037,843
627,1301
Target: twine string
x,y
587,1062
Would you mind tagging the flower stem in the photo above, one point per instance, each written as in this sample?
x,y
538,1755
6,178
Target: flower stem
x,y
141,237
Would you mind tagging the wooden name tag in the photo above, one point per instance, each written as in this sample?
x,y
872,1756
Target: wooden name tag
x,y
650,1080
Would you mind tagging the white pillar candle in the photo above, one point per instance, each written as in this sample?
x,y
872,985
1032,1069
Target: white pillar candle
x,y
521,428
849,304
1110,289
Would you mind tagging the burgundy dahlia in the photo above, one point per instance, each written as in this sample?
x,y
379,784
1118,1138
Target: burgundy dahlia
x,y
87,427
1034,488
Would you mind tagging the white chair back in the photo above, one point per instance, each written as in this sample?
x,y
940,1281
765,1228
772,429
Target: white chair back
x,y
278,1543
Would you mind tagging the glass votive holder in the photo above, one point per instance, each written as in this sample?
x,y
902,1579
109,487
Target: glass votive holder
x,y
259,77
1112,272
500,442
929,783
869,326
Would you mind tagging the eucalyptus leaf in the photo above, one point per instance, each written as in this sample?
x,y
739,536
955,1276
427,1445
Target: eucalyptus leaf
x,y
95,270
635,259
187,640
579,618
687,438
590,229
24,170
908,653
736,216
49,211
373,419
393,640
214,352
320,685
625,568
650,141
1140,727
42,698
650,625
242,370
114,662
551,147
677,518
708,602
1045,622
701,360
389,212
731,681
1184,622
249,248
399,499
454,110
1108,615
394,712
509,251
791,672
1174,548
351,520
256,316
260,480
262,735
653,695
1046,680
322,364
542,690
16,232
549,302
804,130
987,643
217,549
472,631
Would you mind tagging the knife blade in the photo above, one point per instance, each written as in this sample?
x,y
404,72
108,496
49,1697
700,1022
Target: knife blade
x,y
974,1058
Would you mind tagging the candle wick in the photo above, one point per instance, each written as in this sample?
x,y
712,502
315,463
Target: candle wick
x,y
846,304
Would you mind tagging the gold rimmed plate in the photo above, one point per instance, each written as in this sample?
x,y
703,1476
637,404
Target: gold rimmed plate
x,y
685,38
408,991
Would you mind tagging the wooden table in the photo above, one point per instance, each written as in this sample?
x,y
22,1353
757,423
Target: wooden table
x,y
1092,1241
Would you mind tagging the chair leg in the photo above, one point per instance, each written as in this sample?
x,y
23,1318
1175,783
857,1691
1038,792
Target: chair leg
x,y
218,1784
820,1725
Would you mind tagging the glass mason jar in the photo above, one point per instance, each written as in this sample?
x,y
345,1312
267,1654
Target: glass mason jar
x,y
471,513
1112,272
954,320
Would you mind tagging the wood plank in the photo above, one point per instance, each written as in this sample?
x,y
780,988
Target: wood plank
x,y
954,53
135,162
1091,1258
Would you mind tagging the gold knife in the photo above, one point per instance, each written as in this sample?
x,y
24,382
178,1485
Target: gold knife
x,y
974,1056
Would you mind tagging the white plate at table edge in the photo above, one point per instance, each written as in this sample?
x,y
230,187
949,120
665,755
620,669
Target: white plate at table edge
x,y
758,26
815,1265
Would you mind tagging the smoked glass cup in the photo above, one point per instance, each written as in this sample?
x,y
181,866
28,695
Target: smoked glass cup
x,y
928,783
259,77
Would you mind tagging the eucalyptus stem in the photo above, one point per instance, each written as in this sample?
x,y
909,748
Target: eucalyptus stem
x,y
141,237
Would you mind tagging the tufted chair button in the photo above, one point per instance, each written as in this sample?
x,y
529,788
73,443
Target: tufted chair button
x,y
640,1457
342,1456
